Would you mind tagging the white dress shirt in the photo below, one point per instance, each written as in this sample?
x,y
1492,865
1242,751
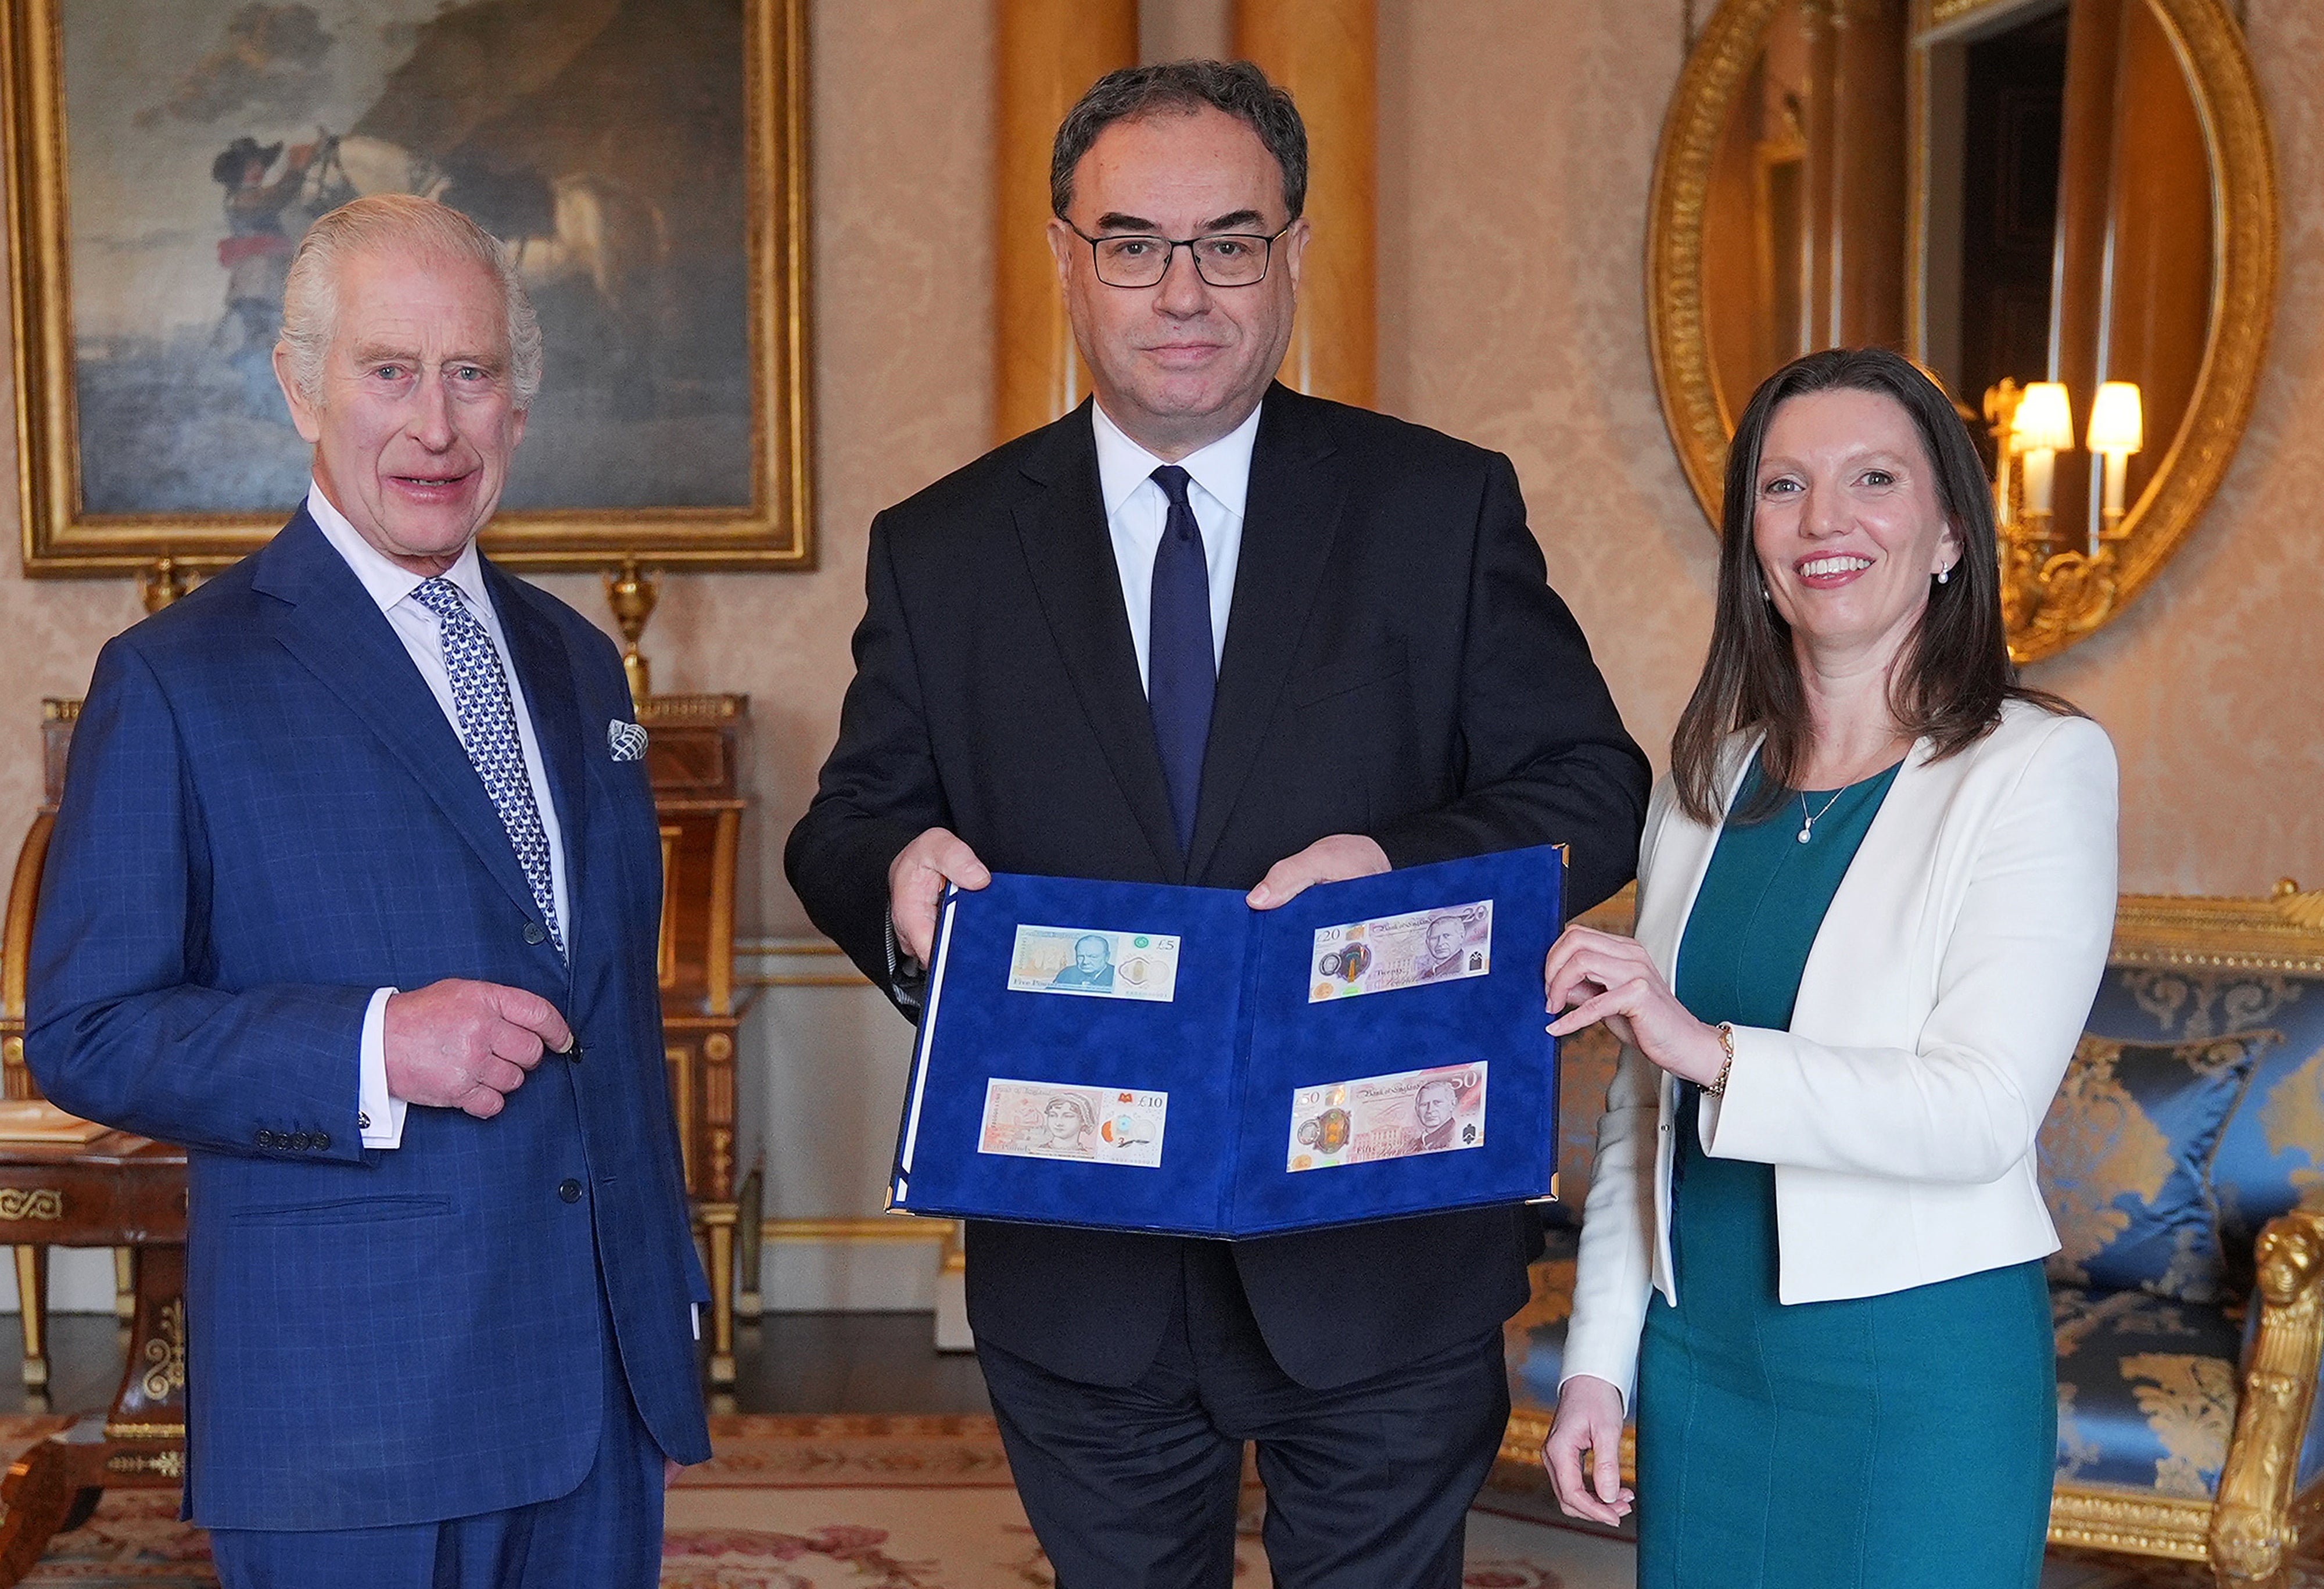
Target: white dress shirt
x,y
421,633
1136,512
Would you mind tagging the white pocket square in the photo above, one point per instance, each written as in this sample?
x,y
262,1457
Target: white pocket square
x,y
628,739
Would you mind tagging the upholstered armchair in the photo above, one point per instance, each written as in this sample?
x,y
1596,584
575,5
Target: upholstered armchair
x,y
2184,1165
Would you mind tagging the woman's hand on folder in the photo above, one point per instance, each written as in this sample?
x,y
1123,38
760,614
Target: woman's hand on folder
x,y
916,879
1336,859
1594,976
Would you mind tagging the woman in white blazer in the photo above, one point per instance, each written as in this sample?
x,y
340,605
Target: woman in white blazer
x,y
1874,896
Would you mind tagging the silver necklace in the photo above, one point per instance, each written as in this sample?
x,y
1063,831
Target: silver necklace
x,y
1807,823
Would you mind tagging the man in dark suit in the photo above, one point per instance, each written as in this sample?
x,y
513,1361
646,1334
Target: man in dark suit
x,y
353,891
1303,643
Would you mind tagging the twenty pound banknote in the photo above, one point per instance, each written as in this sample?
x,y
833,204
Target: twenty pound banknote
x,y
1388,1117
1393,952
1058,1119
1094,963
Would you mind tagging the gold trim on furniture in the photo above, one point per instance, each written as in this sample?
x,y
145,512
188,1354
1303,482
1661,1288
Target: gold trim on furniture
x,y
877,1227
2210,49
773,532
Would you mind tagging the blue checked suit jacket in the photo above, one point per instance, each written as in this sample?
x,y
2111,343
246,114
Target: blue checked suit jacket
x,y
266,817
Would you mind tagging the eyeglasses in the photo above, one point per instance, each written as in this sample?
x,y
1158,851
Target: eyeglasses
x,y
1224,259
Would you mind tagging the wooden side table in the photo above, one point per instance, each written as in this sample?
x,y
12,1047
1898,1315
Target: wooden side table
x,y
118,1190
691,756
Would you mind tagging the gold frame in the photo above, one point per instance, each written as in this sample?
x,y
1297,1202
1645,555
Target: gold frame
x,y
775,532
2210,48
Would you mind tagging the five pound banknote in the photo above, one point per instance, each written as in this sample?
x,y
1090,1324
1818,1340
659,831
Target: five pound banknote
x,y
1393,1116
1392,952
1094,963
1059,1120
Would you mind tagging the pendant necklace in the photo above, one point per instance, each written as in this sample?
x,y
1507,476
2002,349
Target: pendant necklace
x,y
1807,823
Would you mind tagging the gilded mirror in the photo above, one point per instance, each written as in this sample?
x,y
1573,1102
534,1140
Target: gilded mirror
x,y
2065,210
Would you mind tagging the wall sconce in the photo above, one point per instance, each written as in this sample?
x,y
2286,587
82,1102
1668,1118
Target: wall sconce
x,y
2044,428
2117,429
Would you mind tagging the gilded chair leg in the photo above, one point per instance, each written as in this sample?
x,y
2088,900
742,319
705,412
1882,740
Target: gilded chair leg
x,y
125,1283
2252,1530
33,1307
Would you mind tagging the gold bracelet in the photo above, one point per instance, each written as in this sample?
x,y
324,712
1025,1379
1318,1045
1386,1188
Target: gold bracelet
x,y
1726,1030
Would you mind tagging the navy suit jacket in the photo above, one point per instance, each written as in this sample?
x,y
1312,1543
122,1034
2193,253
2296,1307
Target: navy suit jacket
x,y
1396,665
266,817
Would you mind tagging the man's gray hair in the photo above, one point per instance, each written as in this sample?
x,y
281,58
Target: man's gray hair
x,y
392,223
1236,88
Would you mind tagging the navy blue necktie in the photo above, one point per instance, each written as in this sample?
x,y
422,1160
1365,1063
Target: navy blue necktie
x,y
1181,668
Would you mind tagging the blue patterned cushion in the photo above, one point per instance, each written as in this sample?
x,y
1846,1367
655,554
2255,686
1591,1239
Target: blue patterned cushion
x,y
2126,1157
2272,1152
2146,1390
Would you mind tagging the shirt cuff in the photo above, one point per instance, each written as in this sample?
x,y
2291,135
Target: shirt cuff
x,y
907,979
379,1116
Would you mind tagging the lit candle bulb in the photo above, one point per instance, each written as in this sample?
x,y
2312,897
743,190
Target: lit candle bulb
x,y
2117,429
2044,428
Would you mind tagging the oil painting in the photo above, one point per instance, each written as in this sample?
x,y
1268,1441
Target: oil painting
x,y
639,158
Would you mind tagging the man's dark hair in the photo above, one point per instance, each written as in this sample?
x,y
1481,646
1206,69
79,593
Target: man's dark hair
x,y
1234,86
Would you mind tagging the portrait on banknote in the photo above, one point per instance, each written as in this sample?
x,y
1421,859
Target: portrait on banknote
x,y
1061,1120
1391,952
1379,1117
1094,963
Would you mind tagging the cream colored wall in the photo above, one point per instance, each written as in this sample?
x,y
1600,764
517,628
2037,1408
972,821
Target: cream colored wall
x,y
1516,137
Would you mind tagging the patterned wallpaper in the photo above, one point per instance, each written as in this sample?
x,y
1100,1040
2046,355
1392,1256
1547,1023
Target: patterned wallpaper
x,y
1516,139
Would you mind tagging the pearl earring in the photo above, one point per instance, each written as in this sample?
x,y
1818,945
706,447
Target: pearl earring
x,y
1944,575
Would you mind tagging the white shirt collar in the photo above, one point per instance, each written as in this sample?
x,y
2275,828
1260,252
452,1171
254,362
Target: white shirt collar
x,y
386,580
1223,469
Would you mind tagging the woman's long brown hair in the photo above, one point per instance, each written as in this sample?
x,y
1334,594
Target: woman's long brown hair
x,y
1954,673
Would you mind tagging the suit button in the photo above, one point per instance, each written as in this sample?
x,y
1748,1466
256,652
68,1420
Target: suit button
x,y
320,1140
534,932
264,1139
299,1142
570,1190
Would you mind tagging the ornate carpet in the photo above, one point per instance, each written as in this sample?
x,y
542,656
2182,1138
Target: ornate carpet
x,y
902,1503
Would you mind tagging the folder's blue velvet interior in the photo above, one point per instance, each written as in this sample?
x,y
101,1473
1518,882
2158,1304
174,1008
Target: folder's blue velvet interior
x,y
1229,1001
980,1028
1496,1017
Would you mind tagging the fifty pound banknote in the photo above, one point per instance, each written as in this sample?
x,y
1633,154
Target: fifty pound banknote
x,y
1058,1119
1393,952
1396,1116
1094,963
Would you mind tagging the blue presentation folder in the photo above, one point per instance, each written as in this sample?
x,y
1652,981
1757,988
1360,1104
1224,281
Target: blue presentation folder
x,y
1037,1094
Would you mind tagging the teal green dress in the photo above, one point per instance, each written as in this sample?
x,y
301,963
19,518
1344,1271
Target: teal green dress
x,y
1903,1440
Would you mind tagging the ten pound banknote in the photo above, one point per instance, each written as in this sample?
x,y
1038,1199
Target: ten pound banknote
x,y
1398,1116
1094,963
1393,952
1058,1119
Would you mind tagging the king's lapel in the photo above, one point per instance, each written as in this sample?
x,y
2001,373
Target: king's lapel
x,y
1291,517
328,622
545,669
1070,556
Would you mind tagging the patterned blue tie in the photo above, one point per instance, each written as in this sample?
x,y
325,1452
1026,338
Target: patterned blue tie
x,y
1181,666
480,693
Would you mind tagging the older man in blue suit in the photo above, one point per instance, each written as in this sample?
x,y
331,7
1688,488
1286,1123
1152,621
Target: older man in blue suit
x,y
353,892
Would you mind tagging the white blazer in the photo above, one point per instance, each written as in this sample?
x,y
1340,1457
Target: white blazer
x,y
1939,1004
